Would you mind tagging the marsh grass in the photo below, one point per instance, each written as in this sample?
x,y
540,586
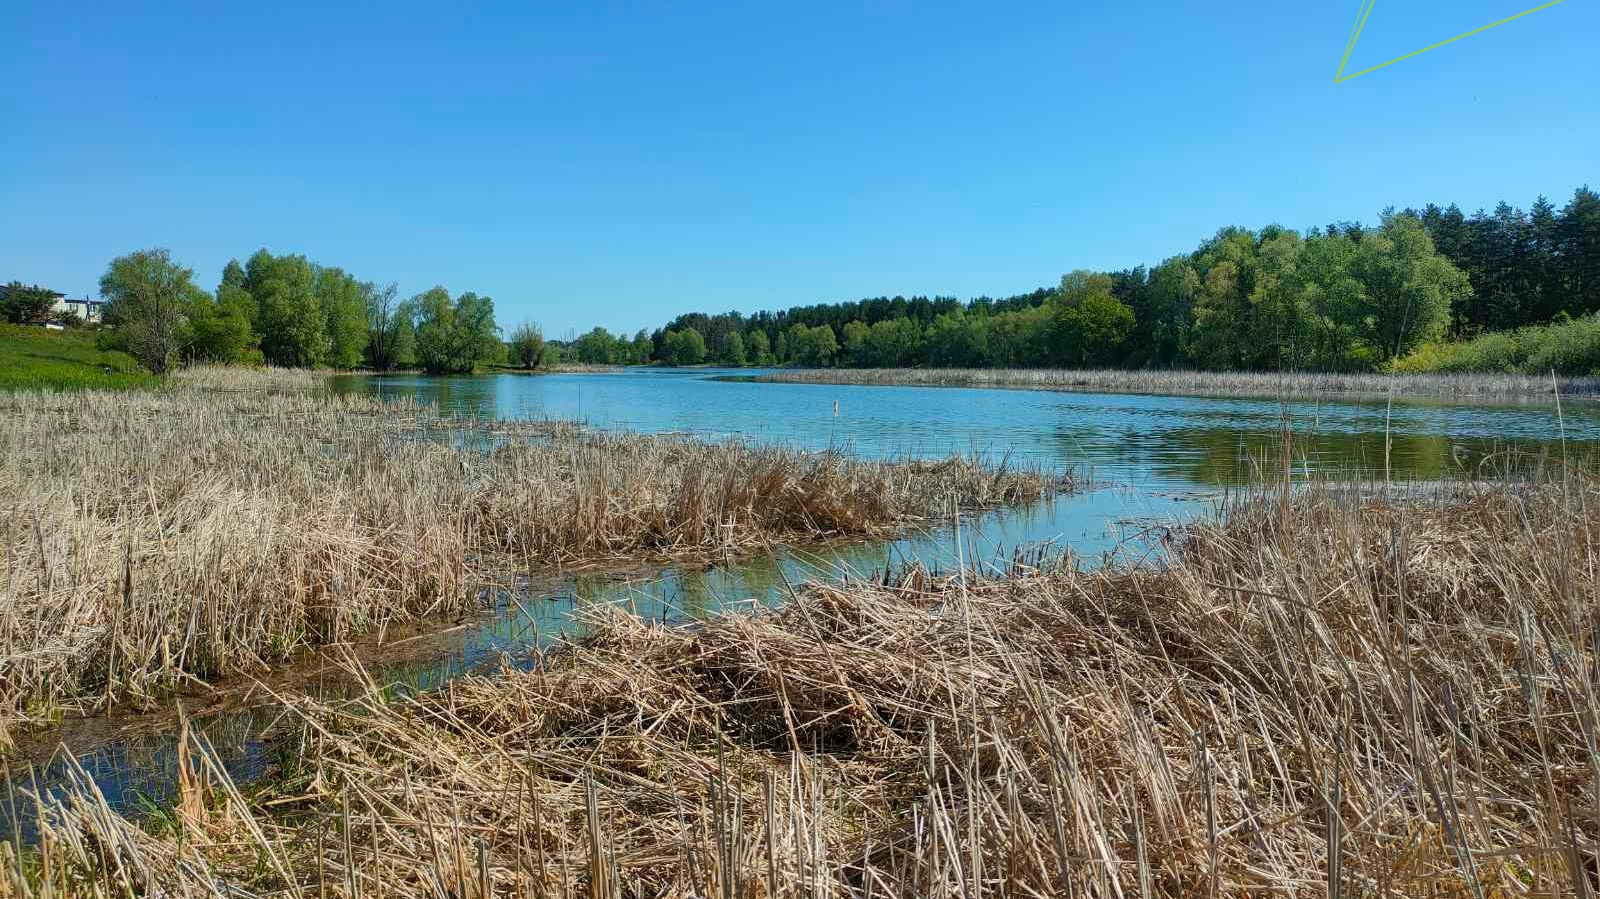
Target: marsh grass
x,y
1200,383
1330,693
217,525
244,379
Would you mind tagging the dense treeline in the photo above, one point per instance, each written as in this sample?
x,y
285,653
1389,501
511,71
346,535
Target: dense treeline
x,y
292,312
1422,290
1339,298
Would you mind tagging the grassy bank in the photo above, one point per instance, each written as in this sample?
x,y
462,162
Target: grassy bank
x,y
214,526
36,357
1343,695
1199,383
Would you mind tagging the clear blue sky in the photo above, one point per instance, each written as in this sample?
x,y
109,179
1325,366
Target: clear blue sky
x,y
607,163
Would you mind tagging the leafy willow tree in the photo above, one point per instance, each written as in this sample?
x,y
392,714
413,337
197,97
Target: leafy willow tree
x,y
217,330
1091,324
814,347
343,302
853,346
147,298
958,339
891,343
731,349
640,348
1226,266
1332,302
21,305
436,331
527,345
391,329
1409,288
455,337
1169,311
289,318
598,347
759,349
683,346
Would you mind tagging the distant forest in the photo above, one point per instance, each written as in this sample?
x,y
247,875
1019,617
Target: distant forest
x,y
1345,297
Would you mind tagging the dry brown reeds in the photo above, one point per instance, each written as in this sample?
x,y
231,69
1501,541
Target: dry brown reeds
x,y
1204,383
155,537
1337,696
247,380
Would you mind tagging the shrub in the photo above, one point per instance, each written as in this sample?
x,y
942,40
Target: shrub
x,y
1566,348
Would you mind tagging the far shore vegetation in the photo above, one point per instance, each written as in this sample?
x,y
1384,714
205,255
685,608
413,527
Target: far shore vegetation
x,y
1419,291
1422,291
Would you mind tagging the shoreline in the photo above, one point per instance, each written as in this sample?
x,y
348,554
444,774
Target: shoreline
x,y
1478,386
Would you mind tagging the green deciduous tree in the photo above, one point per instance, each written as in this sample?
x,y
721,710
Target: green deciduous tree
x,y
759,349
527,345
1092,332
958,340
731,350
343,302
218,330
1332,305
815,347
598,347
1090,323
1409,288
147,299
289,319
391,329
854,345
685,346
454,337
640,348
22,305
1172,288
892,343
435,328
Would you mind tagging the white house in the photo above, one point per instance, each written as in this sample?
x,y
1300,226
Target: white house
x,y
88,310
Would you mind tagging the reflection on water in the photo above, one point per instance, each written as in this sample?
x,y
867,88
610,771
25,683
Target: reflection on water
x,y
1151,442
1154,459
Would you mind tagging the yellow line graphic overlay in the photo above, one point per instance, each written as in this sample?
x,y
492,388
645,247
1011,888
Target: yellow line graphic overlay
x,y
1361,22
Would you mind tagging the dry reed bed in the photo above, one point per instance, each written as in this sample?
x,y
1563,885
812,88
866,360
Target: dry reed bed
x,y
151,538
1340,696
238,378
1202,383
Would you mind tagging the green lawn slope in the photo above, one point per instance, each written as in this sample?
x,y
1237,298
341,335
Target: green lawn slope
x,y
32,356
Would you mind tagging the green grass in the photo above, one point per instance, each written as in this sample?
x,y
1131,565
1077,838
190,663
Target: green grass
x,y
34,357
